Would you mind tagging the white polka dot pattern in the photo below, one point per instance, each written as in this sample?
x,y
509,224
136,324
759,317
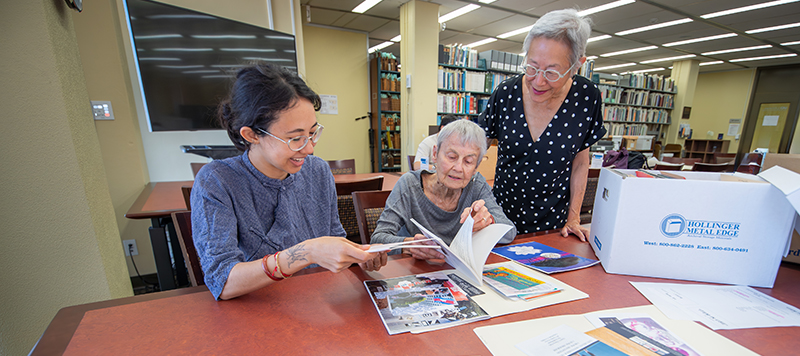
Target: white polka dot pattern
x,y
532,176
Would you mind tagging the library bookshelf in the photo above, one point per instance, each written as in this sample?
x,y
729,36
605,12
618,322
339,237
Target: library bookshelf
x,y
385,119
636,104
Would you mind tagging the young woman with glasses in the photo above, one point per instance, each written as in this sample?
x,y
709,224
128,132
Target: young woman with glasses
x,y
260,217
545,120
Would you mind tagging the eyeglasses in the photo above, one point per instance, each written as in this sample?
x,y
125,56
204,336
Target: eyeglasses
x,y
549,74
299,142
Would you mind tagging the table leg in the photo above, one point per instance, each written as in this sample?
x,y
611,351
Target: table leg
x,y
177,255
158,239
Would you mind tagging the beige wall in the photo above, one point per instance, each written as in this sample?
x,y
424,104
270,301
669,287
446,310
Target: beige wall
x,y
336,64
719,97
98,32
126,144
60,243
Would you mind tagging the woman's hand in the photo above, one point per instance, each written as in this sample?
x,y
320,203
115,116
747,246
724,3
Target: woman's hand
x,y
332,253
480,213
574,227
376,262
423,253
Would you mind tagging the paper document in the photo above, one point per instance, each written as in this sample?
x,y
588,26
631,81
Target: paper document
x,y
719,307
501,339
404,244
468,251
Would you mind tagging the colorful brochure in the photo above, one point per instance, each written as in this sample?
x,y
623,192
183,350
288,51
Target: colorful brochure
x,y
515,284
423,302
543,258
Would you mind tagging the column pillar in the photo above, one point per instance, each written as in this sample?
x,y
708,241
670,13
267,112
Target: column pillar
x,y
684,73
419,56
286,18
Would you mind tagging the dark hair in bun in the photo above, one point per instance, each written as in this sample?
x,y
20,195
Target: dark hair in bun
x,y
261,92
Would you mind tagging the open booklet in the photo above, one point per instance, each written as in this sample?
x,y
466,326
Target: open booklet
x,y
468,252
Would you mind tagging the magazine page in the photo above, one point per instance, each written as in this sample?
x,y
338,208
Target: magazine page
x,y
516,282
458,255
422,302
500,339
543,258
645,325
495,304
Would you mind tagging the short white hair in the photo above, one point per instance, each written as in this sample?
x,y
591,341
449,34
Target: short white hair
x,y
565,26
465,132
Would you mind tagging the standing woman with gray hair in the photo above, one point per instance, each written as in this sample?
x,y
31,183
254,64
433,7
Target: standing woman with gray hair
x,y
545,120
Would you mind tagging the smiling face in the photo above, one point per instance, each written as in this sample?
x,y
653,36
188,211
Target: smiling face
x,y
545,53
273,157
456,163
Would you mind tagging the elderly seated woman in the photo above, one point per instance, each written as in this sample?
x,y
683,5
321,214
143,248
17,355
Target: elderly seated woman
x,y
442,200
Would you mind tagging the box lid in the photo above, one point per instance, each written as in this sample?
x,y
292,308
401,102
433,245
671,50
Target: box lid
x,y
787,181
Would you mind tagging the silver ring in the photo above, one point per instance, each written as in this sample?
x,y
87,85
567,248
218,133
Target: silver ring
x,y
484,219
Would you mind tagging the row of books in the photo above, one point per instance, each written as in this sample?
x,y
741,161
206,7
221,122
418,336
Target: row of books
x,y
461,103
455,79
456,55
587,69
648,81
625,129
390,140
616,95
635,114
497,60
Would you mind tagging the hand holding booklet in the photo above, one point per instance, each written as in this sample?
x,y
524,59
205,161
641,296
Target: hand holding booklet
x,y
468,251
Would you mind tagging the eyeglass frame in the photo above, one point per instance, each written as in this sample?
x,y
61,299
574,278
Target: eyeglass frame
x,y
560,76
310,138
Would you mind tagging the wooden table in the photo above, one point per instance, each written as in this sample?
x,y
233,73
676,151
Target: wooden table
x,y
160,199
326,313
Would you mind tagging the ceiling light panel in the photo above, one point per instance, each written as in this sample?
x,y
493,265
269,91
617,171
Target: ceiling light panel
x,y
365,5
747,8
699,39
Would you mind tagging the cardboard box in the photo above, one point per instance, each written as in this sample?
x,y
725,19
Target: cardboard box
x,y
630,142
644,143
792,163
712,227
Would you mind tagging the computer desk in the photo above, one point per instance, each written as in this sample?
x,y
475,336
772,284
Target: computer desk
x,y
325,313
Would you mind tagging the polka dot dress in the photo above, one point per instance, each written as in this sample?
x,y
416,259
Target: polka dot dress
x,y
531,181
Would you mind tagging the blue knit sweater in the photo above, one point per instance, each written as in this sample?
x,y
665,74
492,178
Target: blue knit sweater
x,y
241,215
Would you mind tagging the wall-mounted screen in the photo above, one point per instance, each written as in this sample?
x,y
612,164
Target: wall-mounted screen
x,y
187,61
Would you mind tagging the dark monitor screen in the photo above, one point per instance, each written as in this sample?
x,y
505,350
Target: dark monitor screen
x,y
188,60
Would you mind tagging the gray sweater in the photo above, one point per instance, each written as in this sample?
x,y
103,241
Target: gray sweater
x,y
408,200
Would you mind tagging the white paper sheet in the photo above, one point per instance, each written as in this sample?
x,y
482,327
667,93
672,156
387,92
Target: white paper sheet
x,y
562,340
719,307
500,339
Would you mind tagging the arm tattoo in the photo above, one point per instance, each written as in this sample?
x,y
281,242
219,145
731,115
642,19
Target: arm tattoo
x,y
296,253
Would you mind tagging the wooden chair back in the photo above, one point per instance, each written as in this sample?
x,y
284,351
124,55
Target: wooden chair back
x,y
673,148
347,214
724,157
183,228
369,206
668,166
712,167
343,166
588,200
196,167
684,161
187,196
751,163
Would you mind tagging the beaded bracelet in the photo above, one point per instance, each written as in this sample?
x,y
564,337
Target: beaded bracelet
x,y
277,270
266,270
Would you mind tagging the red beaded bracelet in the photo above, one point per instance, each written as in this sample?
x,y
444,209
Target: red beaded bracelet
x,y
277,270
266,270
